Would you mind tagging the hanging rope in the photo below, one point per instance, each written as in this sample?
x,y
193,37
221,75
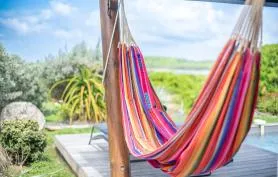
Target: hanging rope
x,y
110,45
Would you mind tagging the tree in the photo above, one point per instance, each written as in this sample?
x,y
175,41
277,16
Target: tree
x,y
10,77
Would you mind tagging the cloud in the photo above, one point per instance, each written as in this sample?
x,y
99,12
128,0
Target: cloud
x,y
165,18
46,14
93,19
68,34
37,22
61,8
179,28
24,25
16,24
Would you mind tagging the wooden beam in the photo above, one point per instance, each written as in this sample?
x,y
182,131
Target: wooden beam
x,y
268,3
118,151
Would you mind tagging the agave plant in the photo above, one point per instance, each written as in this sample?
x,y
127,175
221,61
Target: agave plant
x,y
83,95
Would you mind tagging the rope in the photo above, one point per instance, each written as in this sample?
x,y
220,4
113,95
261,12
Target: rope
x,y
247,30
110,46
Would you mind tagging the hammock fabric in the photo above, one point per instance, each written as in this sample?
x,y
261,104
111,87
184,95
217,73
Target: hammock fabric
x,y
220,117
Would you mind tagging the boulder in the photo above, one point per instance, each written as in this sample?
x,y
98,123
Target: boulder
x,y
23,110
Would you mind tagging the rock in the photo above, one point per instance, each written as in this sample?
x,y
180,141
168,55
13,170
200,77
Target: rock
x,y
23,110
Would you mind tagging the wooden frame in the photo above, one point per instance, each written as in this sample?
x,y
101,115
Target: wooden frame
x,y
118,152
268,3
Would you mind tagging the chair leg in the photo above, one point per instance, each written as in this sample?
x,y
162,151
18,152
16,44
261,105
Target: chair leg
x,y
91,136
229,162
137,160
202,174
209,173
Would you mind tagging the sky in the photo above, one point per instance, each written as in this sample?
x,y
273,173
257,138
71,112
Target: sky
x,y
34,29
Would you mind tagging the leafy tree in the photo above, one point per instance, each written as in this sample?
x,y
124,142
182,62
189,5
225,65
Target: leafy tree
x,y
83,94
65,64
10,77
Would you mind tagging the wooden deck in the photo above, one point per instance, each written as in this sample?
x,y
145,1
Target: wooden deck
x,y
92,160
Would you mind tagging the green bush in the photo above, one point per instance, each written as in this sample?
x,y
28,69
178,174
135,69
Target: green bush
x,y
185,87
56,112
22,140
83,95
268,103
269,69
268,100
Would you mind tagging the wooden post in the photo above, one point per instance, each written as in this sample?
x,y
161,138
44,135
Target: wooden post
x,y
118,152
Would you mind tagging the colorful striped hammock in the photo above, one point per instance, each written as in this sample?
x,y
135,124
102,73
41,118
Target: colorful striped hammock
x,y
220,118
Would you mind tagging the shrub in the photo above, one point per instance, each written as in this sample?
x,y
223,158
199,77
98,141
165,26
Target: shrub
x,y
268,103
269,69
55,112
22,140
83,95
185,87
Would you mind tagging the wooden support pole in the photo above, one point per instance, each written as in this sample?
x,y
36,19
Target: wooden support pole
x,y
268,3
118,152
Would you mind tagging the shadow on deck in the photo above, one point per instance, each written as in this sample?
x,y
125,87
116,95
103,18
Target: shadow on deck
x,y
93,161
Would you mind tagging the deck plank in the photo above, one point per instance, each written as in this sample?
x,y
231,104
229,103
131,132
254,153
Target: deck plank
x,y
93,160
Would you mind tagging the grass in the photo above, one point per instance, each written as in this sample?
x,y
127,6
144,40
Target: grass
x,y
176,63
268,118
54,118
52,165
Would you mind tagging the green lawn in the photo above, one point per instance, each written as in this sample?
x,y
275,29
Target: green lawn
x,y
52,165
176,63
54,118
268,118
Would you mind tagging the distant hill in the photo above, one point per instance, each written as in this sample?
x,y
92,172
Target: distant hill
x,y
176,63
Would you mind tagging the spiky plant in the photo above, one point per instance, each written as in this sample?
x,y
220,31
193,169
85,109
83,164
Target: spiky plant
x,y
83,95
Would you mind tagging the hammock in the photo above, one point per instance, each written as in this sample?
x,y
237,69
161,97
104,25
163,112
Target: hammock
x,y
220,117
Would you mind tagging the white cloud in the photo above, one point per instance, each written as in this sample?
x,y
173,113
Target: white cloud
x,y
93,19
16,24
61,8
46,14
173,17
24,25
179,28
68,34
